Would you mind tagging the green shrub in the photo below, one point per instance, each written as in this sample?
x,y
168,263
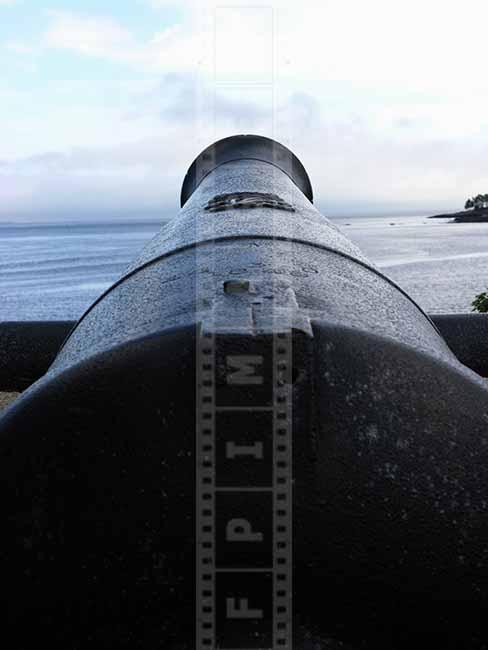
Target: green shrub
x,y
480,303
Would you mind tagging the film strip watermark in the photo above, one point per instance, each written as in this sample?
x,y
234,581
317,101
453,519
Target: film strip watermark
x,y
243,446
244,491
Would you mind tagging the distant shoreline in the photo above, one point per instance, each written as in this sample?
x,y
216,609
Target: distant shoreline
x,y
465,216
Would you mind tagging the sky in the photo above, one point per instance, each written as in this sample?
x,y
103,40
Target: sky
x,y
105,103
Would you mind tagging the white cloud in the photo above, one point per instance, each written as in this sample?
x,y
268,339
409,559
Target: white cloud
x,y
93,36
170,49
8,3
414,45
400,85
72,114
144,176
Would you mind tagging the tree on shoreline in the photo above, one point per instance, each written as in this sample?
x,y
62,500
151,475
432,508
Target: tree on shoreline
x,y
477,202
480,303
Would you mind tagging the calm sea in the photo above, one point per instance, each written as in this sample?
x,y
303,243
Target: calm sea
x,y
55,271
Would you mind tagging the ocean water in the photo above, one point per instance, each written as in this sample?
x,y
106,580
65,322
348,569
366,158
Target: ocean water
x,y
440,264
55,271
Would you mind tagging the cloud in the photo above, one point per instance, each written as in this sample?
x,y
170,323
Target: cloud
x,y
383,104
102,37
142,176
178,98
8,3
131,179
353,167
400,46
92,36
181,47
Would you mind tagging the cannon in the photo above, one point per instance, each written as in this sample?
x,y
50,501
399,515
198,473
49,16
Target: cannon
x,y
253,439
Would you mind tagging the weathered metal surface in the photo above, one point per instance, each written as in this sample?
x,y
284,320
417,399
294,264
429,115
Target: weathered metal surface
x,y
327,278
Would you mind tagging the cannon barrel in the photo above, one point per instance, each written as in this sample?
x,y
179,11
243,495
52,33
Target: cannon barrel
x,y
119,487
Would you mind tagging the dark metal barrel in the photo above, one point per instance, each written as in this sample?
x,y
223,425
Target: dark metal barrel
x,y
389,434
27,349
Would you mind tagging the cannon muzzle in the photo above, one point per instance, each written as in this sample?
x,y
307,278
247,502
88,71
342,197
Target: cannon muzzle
x,y
251,323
